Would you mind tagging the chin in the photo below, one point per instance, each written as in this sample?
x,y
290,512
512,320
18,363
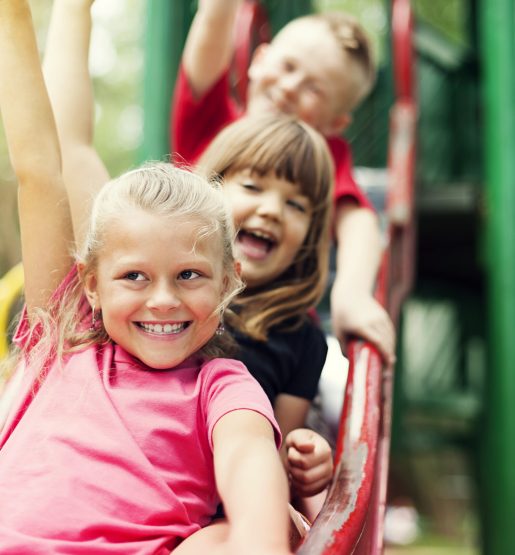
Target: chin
x,y
260,104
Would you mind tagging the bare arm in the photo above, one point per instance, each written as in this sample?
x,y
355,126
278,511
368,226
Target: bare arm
x,y
353,307
290,412
251,483
69,85
209,45
35,156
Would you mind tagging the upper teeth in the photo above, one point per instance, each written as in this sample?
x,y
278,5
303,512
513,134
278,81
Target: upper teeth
x,y
162,328
262,235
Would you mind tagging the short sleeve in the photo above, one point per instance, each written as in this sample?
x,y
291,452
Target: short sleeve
x,y
196,121
311,351
228,386
345,187
26,338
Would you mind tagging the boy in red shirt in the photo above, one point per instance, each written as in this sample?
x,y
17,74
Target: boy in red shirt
x,y
319,68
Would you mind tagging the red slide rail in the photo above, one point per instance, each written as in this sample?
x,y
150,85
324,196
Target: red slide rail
x,y
351,520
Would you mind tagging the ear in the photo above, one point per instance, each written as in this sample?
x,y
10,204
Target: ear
x,y
257,59
90,283
237,270
339,124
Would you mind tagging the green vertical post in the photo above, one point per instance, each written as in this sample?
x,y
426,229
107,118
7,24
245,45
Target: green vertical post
x,y
166,28
497,33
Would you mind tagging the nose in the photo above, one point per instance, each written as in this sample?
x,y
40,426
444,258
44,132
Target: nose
x,y
163,297
271,206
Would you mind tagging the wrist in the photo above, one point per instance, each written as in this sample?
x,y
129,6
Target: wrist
x,y
349,291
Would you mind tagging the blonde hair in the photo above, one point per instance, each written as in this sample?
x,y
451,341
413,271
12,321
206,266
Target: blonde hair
x,y
355,46
158,188
292,150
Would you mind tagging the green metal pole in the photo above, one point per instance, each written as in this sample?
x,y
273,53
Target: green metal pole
x,y
497,18
166,29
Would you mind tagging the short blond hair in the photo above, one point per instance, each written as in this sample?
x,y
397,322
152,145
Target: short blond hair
x,y
354,45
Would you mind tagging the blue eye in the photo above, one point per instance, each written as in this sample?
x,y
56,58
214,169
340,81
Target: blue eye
x,y
134,276
189,275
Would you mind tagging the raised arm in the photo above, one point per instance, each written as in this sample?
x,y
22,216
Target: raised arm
x,y
209,45
71,93
35,156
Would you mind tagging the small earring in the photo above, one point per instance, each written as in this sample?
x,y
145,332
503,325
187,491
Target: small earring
x,y
93,326
220,330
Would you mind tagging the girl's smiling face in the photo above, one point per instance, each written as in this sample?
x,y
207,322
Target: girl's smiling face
x,y
159,285
272,218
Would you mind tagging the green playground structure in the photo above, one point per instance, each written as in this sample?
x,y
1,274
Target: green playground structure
x,y
441,122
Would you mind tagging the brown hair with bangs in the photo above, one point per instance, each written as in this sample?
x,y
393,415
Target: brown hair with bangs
x,y
291,150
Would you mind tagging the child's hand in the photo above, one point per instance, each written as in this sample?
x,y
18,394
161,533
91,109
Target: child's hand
x,y
365,318
309,461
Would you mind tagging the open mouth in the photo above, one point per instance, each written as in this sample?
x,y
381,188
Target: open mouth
x,y
163,329
255,244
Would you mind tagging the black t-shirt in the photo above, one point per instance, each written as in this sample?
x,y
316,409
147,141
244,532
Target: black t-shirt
x,y
287,362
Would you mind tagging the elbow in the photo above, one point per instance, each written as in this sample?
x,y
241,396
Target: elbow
x,y
37,169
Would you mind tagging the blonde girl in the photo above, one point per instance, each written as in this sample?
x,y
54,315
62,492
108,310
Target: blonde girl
x,y
303,165
126,431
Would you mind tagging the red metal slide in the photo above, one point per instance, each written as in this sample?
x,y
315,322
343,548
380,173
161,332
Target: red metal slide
x,y
351,520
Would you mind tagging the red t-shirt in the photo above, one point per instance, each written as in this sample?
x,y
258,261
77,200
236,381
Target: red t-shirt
x,y
196,121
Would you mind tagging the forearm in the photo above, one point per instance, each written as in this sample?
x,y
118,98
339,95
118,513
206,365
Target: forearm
x,y
359,249
291,413
35,155
246,507
354,310
26,113
253,486
209,45
66,70
68,81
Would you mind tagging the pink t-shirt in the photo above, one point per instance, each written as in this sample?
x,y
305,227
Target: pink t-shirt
x,y
105,455
195,122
